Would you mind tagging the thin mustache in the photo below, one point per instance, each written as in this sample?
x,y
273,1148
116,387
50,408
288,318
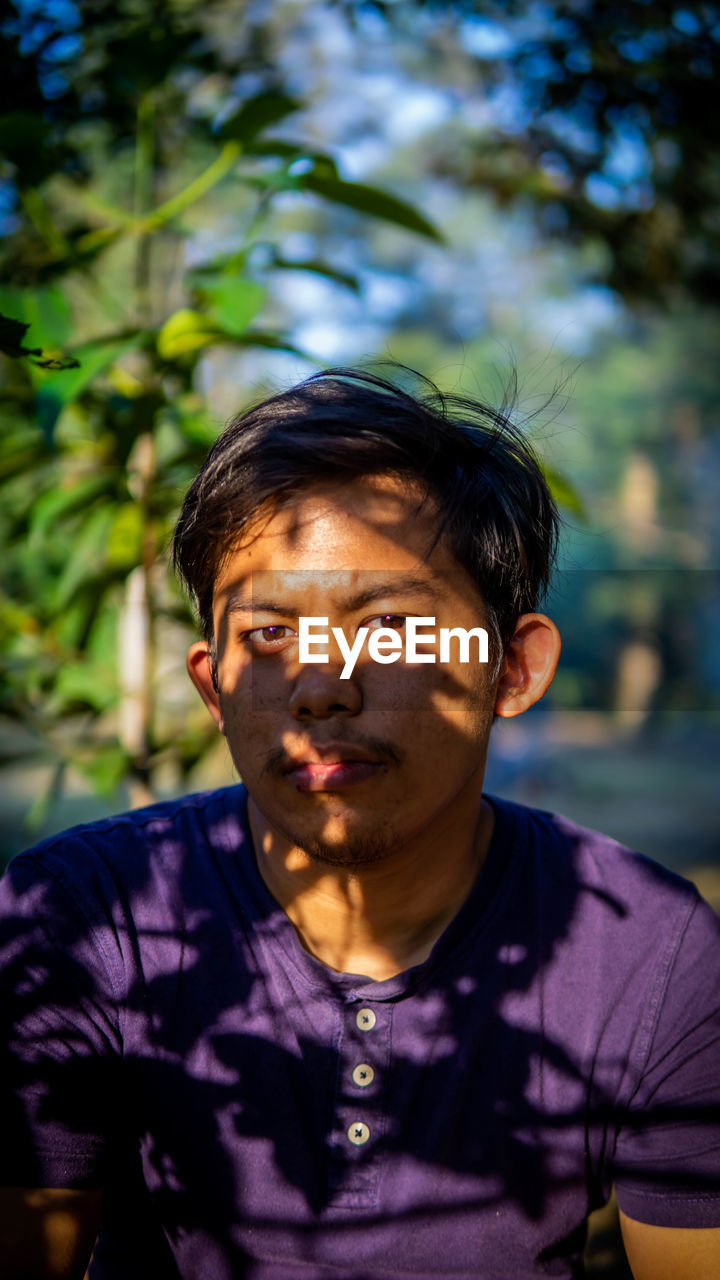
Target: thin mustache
x,y
277,759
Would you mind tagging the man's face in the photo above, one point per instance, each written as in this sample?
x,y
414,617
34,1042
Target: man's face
x,y
350,769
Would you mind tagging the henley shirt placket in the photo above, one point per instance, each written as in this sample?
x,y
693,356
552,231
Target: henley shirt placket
x,y
357,1141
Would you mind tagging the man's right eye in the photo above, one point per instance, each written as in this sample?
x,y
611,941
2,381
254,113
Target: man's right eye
x,y
266,639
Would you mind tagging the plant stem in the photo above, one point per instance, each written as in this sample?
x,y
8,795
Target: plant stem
x,y
205,181
39,214
142,200
137,631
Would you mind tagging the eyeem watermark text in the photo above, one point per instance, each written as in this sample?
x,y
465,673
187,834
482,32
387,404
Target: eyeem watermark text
x,y
385,644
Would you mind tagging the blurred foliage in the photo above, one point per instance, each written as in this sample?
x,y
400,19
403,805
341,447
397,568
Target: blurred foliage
x,y
643,571
149,155
601,123
112,160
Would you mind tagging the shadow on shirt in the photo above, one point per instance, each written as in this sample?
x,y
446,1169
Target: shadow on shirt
x,y
172,1043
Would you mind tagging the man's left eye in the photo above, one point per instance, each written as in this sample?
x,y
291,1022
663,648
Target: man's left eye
x,y
388,621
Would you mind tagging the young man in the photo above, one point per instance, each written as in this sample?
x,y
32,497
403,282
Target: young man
x,y
354,1018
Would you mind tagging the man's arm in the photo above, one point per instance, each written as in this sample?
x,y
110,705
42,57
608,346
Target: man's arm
x,y
59,1046
667,1152
671,1253
47,1234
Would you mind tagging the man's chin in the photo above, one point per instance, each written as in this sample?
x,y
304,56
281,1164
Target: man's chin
x,y
331,834
353,852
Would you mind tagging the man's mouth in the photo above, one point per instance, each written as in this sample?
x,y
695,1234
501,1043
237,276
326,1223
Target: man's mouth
x,y
333,777
333,768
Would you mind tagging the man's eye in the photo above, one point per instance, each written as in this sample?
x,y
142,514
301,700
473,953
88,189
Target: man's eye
x,y
388,621
268,637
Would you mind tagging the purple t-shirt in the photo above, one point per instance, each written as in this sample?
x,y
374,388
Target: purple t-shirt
x,y
253,1114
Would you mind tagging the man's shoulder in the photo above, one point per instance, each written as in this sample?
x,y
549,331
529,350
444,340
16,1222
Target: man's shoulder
x,y
133,896
557,852
130,845
608,927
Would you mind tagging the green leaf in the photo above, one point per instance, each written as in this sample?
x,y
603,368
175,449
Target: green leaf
x,y
378,204
46,311
256,114
87,558
226,264
75,622
273,341
105,768
60,389
265,256
319,268
86,684
49,314
185,331
319,162
56,362
12,333
53,506
564,493
124,542
234,302
12,336
276,147
197,425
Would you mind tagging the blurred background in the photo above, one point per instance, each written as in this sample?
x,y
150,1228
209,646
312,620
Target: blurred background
x,y
202,203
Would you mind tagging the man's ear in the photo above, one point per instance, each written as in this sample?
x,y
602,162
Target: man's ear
x,y
201,670
529,664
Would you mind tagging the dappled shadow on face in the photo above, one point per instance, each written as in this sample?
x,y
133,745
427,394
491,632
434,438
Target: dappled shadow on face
x,y
423,726
172,1025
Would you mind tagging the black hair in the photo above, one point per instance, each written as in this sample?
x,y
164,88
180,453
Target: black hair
x,y
493,501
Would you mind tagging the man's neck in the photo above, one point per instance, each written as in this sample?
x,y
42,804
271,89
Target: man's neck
x,y
378,919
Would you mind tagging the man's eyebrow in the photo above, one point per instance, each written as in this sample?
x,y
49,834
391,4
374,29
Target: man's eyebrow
x,y
237,603
408,584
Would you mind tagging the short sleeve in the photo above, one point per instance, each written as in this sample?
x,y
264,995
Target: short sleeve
x,y
667,1157
59,1035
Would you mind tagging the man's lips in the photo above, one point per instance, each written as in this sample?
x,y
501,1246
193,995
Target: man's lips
x,y
333,769
333,777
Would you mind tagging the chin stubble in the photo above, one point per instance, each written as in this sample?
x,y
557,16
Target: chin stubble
x,y
357,851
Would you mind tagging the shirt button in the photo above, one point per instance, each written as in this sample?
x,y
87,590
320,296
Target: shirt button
x,y
365,1019
363,1075
358,1133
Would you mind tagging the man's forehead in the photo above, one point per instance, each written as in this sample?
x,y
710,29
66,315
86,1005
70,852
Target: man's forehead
x,y
376,506
330,537
346,589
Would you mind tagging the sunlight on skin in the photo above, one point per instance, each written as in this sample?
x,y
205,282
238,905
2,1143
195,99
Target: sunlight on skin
x,y
370,869
671,1253
48,1232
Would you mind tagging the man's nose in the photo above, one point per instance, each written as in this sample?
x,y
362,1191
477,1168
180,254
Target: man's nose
x,y
319,693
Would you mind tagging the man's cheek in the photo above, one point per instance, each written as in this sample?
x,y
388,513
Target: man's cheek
x,y
248,750
407,688
263,688
253,687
